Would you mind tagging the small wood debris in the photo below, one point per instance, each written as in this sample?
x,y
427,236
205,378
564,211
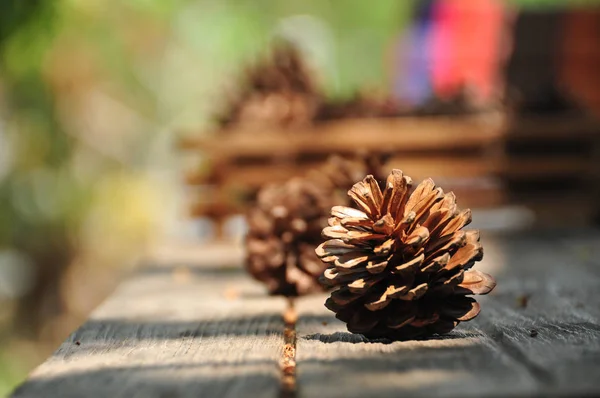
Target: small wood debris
x,y
289,360
288,365
289,334
231,293
533,333
523,300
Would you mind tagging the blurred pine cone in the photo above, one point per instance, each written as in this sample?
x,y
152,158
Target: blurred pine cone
x,y
278,91
364,104
401,262
285,225
338,175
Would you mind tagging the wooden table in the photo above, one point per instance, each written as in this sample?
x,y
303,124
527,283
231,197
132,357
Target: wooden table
x,y
197,326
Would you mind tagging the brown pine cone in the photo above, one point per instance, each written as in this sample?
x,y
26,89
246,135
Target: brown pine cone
x,y
285,226
338,175
277,91
363,104
401,262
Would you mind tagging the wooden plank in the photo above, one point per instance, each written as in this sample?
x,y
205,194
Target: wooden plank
x,y
417,167
563,310
224,254
555,127
494,355
515,167
571,210
485,196
171,331
548,211
393,135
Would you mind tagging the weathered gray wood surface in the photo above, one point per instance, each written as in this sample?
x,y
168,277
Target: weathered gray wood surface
x,y
209,331
494,355
171,332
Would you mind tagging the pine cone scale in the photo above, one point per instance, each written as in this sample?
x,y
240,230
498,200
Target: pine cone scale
x,y
350,262
401,316
463,310
477,282
447,243
397,187
376,267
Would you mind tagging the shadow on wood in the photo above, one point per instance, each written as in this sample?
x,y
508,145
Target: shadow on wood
x,y
161,381
350,338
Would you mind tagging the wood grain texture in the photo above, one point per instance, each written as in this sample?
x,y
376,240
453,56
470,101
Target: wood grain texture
x,y
494,355
171,331
430,133
551,127
478,195
175,330
418,167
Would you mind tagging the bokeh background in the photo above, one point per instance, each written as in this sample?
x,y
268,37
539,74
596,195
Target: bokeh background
x,y
94,95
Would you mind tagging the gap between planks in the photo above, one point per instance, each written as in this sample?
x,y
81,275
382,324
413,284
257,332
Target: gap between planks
x,y
288,360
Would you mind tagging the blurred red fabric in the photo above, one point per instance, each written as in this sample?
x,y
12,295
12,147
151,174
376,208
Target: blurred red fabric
x,y
466,46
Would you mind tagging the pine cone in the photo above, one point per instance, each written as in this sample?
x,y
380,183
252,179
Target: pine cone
x,y
285,226
277,91
338,175
401,263
363,105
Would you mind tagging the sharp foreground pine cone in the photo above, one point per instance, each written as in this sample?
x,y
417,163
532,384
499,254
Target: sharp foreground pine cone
x,y
286,222
401,262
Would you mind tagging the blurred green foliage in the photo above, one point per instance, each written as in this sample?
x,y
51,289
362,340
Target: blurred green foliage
x,y
40,147
153,65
